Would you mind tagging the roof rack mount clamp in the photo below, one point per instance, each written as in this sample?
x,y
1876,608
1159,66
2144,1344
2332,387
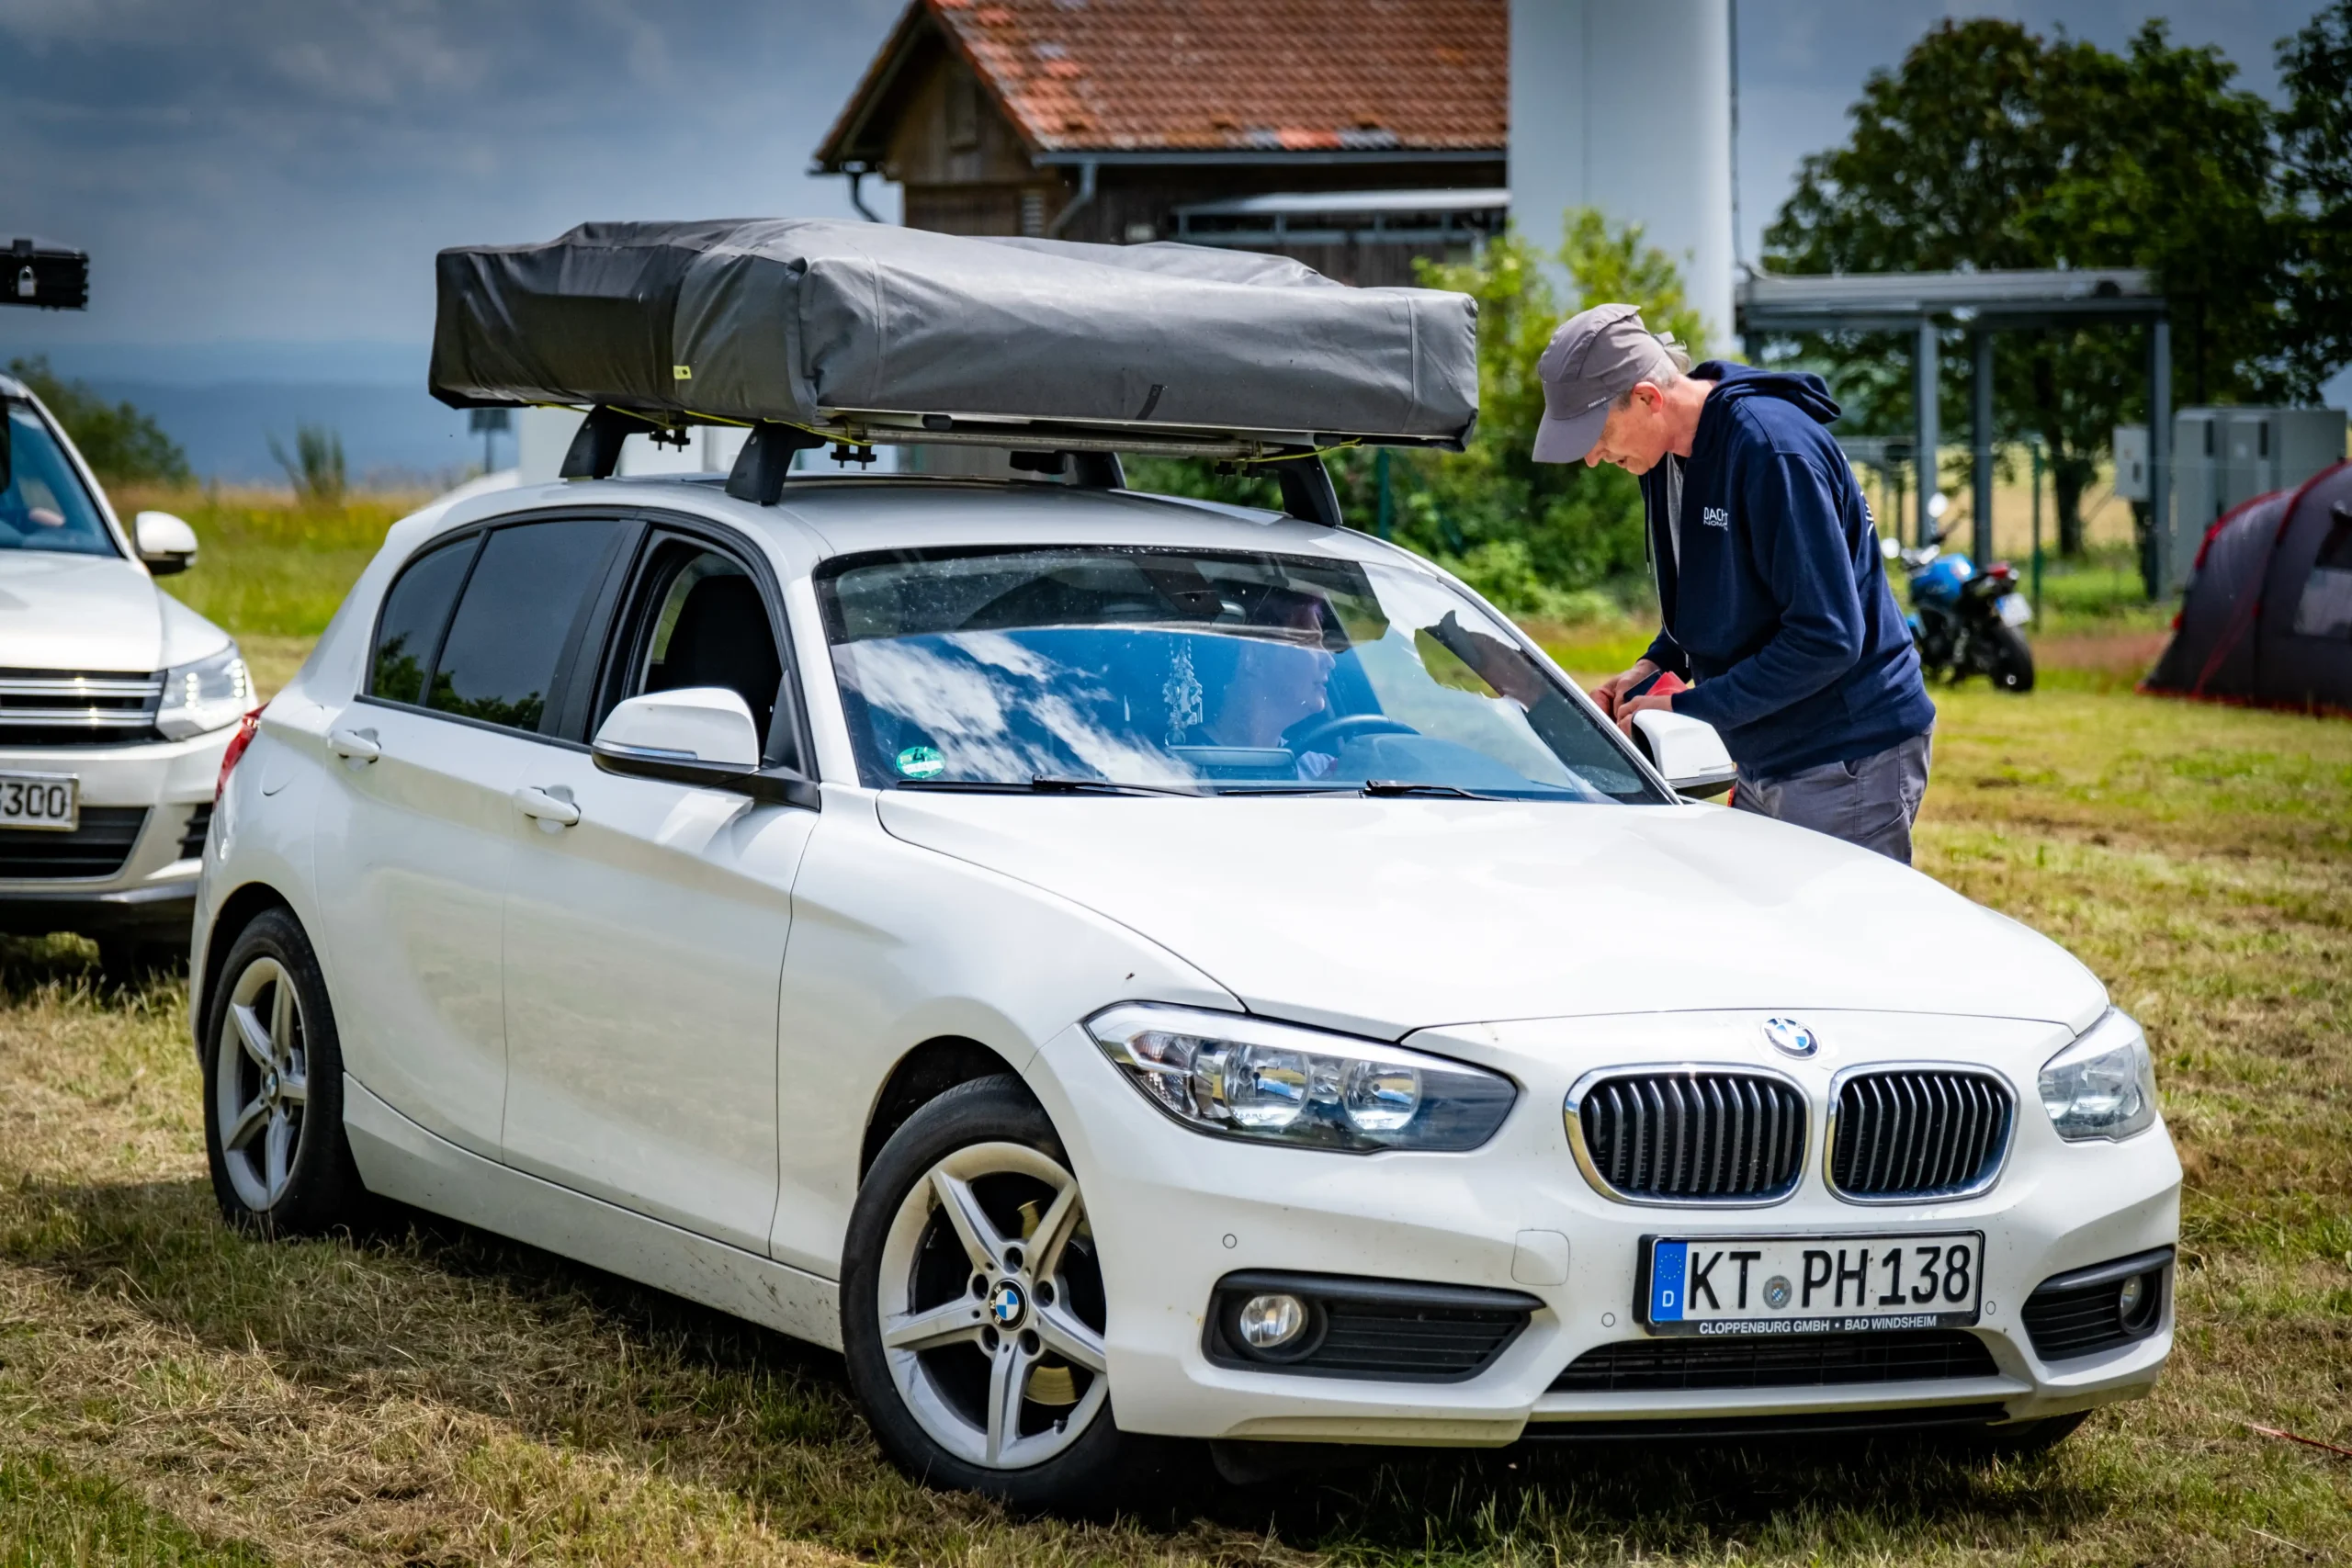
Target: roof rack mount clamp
x,y
595,450
1307,490
766,458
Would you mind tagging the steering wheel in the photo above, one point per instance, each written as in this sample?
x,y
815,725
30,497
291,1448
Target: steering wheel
x,y
1333,734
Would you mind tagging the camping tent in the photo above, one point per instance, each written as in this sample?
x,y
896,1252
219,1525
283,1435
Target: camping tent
x,y
2268,616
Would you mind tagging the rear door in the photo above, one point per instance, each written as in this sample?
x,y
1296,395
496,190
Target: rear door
x,y
645,939
415,829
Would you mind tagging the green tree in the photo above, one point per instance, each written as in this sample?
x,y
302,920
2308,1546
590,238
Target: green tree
x,y
125,445
1533,536
2315,158
1989,147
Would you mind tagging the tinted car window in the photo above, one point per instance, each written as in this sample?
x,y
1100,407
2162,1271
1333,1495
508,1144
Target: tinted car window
x,y
521,606
415,612
44,506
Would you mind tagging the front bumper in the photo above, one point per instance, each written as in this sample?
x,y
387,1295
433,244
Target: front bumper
x,y
1173,1212
151,894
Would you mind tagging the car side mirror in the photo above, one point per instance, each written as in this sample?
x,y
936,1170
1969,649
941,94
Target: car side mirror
x,y
696,735
1687,751
165,542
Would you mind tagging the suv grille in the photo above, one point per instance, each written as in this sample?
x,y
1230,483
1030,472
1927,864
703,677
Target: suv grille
x,y
199,823
77,707
1914,1133
95,849
1695,1136
1815,1361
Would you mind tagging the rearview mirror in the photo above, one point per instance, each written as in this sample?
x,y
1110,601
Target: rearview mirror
x,y
1687,751
696,735
165,542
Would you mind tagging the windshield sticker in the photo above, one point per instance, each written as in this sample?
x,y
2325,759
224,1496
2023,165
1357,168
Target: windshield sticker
x,y
921,762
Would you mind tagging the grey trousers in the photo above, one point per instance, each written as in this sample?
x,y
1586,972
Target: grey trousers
x,y
1872,801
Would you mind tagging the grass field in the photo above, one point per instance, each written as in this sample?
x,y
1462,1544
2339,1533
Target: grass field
x,y
425,1395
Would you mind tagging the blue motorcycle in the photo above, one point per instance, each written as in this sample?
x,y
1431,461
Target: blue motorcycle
x,y
1965,622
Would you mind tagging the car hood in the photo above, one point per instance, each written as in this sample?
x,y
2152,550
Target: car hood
x,y
1381,916
71,611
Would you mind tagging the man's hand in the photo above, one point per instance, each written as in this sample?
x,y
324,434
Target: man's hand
x,y
1607,691
1647,702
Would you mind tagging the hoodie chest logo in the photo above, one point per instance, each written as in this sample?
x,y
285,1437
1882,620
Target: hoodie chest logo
x,y
1715,517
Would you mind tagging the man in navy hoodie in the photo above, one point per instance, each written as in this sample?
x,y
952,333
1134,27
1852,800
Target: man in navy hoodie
x,y
1770,586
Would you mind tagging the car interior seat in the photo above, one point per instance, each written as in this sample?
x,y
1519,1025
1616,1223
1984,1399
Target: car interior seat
x,y
722,639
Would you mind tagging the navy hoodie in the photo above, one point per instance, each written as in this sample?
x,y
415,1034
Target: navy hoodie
x,y
1778,609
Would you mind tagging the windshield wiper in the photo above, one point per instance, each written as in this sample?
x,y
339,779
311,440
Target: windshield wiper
x,y
1045,784
1407,786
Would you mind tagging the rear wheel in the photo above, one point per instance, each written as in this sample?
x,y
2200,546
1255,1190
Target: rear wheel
x,y
273,1087
973,1308
2008,658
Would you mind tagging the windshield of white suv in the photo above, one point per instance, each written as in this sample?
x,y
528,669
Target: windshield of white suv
x,y
1206,672
45,507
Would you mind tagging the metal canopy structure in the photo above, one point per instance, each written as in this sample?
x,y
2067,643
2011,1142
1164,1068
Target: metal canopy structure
x,y
1926,303
1342,218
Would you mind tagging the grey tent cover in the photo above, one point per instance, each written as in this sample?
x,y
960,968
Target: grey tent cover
x,y
802,320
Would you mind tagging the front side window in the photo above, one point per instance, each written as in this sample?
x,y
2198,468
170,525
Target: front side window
x,y
700,621
1215,673
520,612
45,506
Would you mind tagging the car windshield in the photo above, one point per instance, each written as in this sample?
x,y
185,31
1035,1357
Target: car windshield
x,y
45,507
1207,673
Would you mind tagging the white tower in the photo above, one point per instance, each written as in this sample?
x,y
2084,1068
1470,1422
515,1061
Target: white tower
x,y
1627,107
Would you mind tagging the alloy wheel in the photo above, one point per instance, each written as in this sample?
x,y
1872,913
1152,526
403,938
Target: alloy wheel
x,y
262,1083
991,1307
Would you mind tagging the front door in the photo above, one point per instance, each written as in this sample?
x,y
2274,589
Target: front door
x,y
645,929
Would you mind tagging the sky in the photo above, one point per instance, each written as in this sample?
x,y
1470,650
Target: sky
x,y
262,183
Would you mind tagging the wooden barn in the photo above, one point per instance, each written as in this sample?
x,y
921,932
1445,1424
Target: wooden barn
x,y
1354,135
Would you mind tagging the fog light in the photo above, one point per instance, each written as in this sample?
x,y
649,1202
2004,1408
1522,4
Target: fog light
x,y
1269,1322
2135,1303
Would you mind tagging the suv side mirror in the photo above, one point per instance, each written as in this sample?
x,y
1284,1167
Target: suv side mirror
x,y
1687,750
165,542
696,735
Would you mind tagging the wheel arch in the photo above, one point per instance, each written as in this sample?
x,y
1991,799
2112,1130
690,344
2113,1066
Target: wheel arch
x,y
237,912
922,1076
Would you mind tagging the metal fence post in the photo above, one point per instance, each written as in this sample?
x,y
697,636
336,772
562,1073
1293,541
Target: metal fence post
x,y
1980,343
1925,412
2157,563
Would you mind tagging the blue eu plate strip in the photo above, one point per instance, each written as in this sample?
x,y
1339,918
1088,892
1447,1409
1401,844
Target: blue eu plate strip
x,y
1668,1259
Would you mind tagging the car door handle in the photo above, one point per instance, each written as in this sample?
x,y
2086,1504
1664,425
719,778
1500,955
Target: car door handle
x,y
356,745
546,807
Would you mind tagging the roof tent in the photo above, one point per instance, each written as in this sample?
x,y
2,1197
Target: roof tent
x,y
813,330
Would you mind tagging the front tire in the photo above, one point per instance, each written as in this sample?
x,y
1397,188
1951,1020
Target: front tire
x,y
973,1309
273,1087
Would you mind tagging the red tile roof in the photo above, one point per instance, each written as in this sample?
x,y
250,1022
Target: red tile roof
x,y
1241,75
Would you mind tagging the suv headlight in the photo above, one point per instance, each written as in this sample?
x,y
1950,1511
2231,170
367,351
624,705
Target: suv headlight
x,y
1244,1078
208,695
2104,1085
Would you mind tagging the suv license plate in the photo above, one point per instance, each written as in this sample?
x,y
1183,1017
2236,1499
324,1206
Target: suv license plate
x,y
1818,1284
52,801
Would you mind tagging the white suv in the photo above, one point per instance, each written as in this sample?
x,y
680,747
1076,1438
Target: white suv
x,y
1126,969
116,703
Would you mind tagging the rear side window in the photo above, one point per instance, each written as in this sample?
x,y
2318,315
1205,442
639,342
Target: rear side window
x,y
522,614
409,633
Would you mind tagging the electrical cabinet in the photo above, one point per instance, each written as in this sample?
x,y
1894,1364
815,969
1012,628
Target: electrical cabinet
x,y
2223,457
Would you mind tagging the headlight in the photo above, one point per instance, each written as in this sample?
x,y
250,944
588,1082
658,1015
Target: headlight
x,y
208,695
1274,1083
2104,1085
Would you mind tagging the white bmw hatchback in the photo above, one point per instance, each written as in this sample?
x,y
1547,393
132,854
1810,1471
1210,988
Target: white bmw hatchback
x,y
1123,968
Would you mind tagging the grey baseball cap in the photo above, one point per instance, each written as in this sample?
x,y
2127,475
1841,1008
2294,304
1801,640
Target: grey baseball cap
x,y
1596,358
